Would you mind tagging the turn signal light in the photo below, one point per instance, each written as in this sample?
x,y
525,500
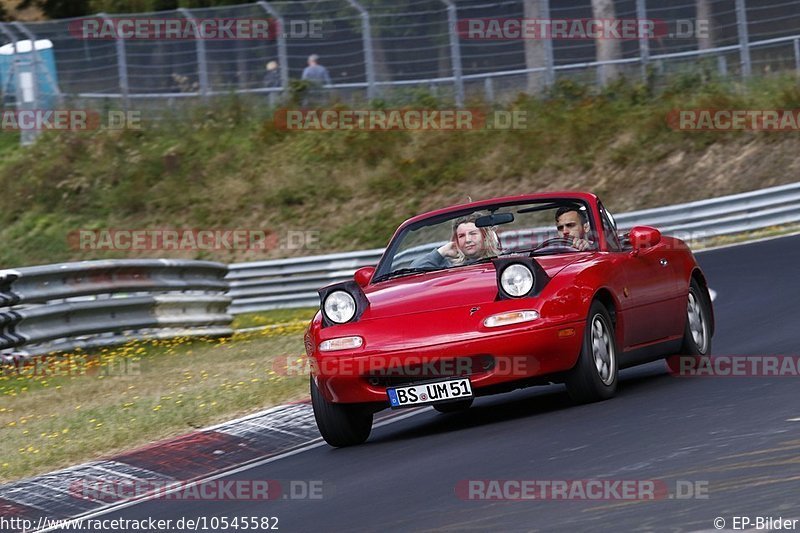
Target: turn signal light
x,y
342,343
506,319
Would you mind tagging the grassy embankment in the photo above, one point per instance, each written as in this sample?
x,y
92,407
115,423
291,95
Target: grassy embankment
x,y
229,167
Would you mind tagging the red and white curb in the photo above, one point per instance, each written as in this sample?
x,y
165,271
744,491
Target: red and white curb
x,y
179,463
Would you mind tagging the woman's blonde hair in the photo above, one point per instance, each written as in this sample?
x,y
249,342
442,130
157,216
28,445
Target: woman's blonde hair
x,y
491,244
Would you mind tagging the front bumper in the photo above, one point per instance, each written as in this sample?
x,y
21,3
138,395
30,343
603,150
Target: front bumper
x,y
489,359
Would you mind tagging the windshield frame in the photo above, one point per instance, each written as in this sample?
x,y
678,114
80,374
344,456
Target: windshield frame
x,y
384,265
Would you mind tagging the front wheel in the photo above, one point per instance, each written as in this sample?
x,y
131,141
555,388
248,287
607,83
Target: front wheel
x,y
340,424
594,376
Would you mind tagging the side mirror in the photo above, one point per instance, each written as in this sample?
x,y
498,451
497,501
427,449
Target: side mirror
x,y
363,275
643,237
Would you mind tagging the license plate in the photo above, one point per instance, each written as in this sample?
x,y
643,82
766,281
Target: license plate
x,y
427,393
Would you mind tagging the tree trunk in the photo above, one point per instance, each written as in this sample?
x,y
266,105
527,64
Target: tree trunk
x,y
535,49
382,71
705,40
444,65
607,49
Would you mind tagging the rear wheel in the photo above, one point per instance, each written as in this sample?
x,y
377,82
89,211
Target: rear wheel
x,y
454,407
340,424
697,335
594,376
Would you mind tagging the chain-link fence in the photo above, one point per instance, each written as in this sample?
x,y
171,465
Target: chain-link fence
x,y
385,48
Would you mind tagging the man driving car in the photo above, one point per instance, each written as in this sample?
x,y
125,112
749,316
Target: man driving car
x,y
573,225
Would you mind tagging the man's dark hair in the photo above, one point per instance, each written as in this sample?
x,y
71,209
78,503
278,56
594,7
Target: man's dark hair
x,y
567,208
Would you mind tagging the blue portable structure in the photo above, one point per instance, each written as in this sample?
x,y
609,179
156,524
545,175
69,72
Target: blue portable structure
x,y
28,71
28,78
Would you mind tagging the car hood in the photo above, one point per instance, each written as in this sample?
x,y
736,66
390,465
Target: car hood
x,y
442,289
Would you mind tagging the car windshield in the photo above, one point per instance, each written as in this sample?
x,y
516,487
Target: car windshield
x,y
468,237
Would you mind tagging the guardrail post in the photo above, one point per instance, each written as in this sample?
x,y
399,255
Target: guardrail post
x,y
202,63
455,51
796,43
538,53
644,41
488,89
122,65
722,66
283,56
549,62
369,56
744,40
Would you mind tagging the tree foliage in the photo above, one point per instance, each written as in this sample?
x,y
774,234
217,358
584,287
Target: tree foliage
x,y
58,8
55,9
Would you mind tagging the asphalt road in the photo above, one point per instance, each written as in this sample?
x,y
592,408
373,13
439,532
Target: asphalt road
x,y
732,436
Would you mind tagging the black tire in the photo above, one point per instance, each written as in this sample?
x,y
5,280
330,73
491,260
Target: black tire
x,y
584,381
454,407
340,424
697,343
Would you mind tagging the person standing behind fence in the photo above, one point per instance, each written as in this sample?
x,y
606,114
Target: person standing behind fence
x,y
317,76
315,72
273,76
272,80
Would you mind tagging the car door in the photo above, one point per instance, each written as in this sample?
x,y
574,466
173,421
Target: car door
x,y
649,290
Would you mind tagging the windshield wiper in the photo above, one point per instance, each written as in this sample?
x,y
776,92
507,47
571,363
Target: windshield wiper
x,y
401,272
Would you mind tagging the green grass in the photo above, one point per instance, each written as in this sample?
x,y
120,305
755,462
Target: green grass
x,y
275,317
80,407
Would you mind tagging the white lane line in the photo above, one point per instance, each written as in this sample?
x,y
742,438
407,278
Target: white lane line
x,y
316,443
793,419
713,294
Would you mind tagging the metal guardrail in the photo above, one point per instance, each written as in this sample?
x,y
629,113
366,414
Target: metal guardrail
x,y
99,303
92,304
724,215
290,283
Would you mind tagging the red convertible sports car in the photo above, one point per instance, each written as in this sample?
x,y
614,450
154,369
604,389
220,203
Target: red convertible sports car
x,y
495,295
